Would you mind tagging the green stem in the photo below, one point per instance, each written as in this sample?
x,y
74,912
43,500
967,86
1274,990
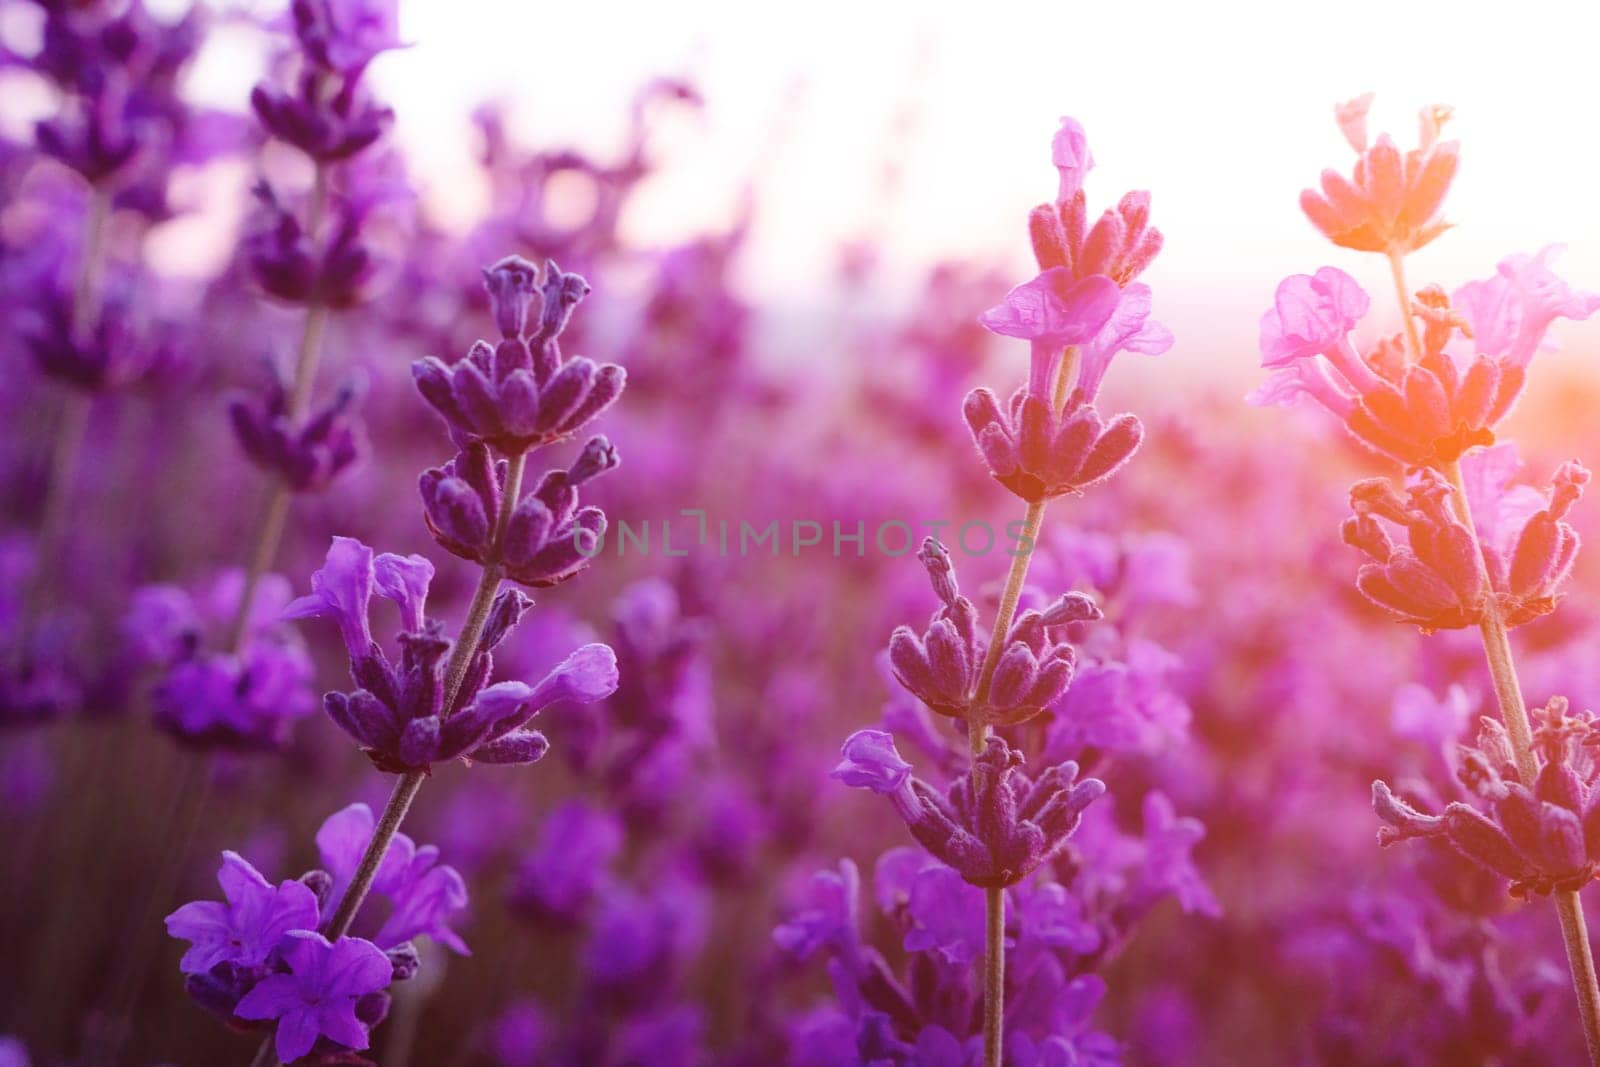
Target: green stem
x,y
994,900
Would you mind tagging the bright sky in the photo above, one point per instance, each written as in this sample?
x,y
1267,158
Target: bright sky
x,y
1223,109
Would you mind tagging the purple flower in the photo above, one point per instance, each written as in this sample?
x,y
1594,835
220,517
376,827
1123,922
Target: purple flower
x,y
425,896
946,916
1541,837
995,826
1040,453
346,35
1129,329
1312,315
318,997
871,762
342,588
1054,310
521,393
560,875
248,927
306,457
941,667
825,915
1069,151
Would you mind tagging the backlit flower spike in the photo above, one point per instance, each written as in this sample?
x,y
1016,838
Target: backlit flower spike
x,y
1390,202
996,826
1120,244
1508,314
1542,837
1039,453
521,393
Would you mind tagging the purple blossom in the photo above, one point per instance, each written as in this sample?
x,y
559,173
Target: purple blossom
x,y
521,393
995,826
1054,311
319,995
247,929
425,896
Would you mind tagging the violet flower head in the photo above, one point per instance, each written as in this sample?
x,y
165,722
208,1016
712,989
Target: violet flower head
x,y
397,713
1040,453
1312,315
1543,837
1390,202
521,393
559,877
247,929
304,457
1120,244
995,826
341,267
244,699
548,539
941,666
319,996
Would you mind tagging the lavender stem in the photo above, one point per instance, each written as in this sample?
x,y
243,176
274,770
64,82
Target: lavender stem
x,y
405,790
994,956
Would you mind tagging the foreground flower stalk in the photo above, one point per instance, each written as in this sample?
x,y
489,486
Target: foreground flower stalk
x,y
997,825
1478,552
1514,713
430,707
406,787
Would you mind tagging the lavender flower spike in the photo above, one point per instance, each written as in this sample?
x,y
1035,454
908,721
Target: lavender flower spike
x,y
521,393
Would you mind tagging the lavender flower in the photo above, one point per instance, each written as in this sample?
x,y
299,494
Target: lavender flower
x,y
996,825
522,393
397,714
320,996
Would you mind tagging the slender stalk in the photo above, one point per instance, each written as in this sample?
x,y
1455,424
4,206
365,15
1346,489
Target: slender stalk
x,y
405,789
994,899
276,510
1514,713
74,418
1397,269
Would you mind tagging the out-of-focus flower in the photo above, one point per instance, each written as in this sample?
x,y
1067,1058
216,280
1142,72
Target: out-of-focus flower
x,y
305,457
